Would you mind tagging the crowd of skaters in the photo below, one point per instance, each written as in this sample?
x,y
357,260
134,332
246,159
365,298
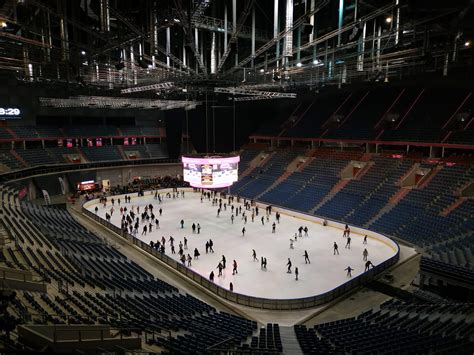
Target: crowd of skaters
x,y
132,220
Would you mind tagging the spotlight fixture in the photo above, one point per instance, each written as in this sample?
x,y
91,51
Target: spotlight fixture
x,y
83,52
467,43
299,64
388,19
262,70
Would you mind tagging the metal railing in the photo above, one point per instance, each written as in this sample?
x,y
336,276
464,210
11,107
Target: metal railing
x,y
246,300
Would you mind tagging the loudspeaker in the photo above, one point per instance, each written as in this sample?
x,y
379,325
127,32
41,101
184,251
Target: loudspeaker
x,y
306,29
119,66
356,33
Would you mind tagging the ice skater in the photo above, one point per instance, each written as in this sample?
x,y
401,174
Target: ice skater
x,y
264,263
263,220
348,243
193,227
234,268
306,257
185,243
223,261
305,231
254,255
211,276
277,216
365,254
211,244
368,264
349,271
219,267
261,263
365,240
336,249
289,266
347,231
231,287
243,232
199,228
273,227
182,224
160,211
291,244
296,273
232,218
196,254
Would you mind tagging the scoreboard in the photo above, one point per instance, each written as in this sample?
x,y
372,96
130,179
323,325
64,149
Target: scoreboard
x,y
210,171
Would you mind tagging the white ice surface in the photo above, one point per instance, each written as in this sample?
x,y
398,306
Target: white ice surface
x,y
325,272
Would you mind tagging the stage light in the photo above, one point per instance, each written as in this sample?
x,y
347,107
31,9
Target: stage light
x,y
467,43
299,64
83,52
316,61
388,19
262,70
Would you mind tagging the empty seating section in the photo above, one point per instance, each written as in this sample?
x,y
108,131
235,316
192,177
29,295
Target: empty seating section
x,y
395,327
104,153
417,217
36,157
264,176
9,160
94,283
411,114
157,150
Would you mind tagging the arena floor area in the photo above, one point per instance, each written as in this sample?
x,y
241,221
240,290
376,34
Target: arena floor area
x,y
325,272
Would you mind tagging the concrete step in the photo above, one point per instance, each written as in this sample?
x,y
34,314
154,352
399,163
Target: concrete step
x,y
289,341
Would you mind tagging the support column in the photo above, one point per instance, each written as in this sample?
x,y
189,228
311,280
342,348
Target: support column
x,y
397,22
63,31
340,20
104,16
234,20
225,27
168,45
275,31
361,46
253,36
213,54
287,51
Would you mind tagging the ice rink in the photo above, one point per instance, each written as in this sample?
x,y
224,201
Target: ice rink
x,y
325,272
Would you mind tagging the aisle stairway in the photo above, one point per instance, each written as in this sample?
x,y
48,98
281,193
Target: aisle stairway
x,y
289,341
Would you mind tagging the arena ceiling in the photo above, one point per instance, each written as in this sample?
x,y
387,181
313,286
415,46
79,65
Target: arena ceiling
x,y
266,44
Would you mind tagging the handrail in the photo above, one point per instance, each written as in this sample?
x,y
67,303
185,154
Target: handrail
x,y
246,300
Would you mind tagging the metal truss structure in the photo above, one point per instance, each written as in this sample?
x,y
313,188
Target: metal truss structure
x,y
255,93
95,102
159,86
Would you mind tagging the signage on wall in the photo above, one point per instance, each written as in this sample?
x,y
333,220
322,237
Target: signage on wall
x,y
9,113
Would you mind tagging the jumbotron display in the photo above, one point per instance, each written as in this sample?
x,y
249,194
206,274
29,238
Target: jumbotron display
x,y
210,171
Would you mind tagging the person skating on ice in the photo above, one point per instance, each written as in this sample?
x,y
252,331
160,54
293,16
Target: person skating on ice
x,y
223,261
232,218
296,273
349,271
211,276
234,268
264,263
365,239
183,259
160,211
273,227
365,254
347,231
196,254
193,227
254,255
207,247
305,231
219,267
261,263
306,257
243,232
336,249
368,264
199,228
185,243
211,244
182,224
289,266
263,220
348,243
291,244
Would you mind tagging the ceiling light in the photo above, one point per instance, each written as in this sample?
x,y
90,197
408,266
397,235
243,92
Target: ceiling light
x,y
316,61
299,64
3,24
467,43
388,19
83,52
262,70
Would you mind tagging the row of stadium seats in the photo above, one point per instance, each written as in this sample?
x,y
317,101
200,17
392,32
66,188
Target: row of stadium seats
x,y
20,158
83,131
395,327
